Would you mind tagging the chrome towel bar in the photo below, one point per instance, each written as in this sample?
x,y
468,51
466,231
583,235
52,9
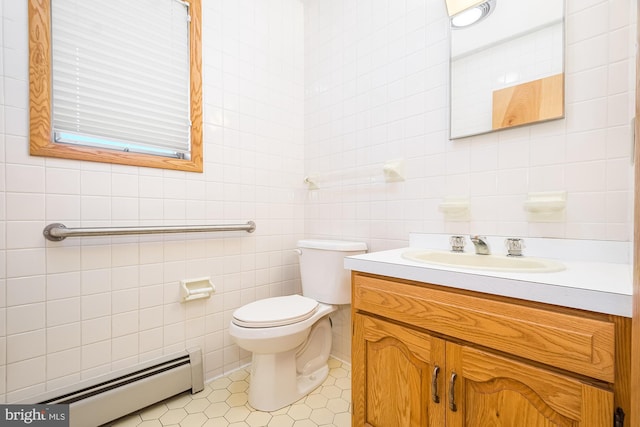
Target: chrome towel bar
x,y
56,231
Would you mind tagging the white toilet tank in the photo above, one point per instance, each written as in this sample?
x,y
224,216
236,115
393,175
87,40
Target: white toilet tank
x,y
322,269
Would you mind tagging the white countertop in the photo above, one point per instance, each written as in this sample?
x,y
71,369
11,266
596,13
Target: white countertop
x,y
598,275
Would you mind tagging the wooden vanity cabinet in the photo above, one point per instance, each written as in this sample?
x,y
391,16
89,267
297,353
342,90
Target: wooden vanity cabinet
x,y
423,355
393,369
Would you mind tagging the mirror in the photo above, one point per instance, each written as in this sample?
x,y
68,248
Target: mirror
x,y
507,69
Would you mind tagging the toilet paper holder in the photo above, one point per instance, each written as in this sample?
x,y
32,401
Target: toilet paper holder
x,y
193,289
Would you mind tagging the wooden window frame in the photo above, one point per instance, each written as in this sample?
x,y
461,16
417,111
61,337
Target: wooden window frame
x,y
40,87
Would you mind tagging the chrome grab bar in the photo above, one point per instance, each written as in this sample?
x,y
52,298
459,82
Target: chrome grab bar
x,y
57,232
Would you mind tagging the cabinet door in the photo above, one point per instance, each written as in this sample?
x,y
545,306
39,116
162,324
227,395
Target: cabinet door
x,y
490,390
393,375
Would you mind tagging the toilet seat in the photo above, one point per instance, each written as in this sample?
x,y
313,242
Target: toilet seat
x,y
275,311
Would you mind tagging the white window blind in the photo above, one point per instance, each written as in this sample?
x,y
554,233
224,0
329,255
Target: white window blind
x,y
120,72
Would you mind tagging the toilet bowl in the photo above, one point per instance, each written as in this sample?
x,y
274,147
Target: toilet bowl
x,y
290,336
289,360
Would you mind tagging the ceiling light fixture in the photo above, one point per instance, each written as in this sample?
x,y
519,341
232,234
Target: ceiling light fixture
x,y
473,15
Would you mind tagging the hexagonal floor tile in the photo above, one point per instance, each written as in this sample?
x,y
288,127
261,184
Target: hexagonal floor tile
x,y
237,399
339,372
216,422
259,419
194,420
224,403
220,383
173,416
316,401
239,375
331,391
179,401
239,413
299,411
153,412
216,410
219,395
202,394
322,416
281,421
338,405
238,386
196,406
342,420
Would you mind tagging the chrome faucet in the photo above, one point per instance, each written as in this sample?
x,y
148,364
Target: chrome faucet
x,y
480,242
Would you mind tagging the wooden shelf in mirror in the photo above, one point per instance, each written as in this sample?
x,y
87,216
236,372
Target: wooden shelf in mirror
x,y
530,102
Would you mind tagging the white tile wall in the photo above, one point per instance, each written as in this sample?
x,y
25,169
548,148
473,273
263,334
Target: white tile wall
x,y
82,307
376,79
367,112
339,85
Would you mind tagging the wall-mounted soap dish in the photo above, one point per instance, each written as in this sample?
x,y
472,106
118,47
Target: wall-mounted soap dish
x,y
455,209
547,206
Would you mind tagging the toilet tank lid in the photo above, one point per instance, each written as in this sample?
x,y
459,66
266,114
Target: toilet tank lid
x,y
332,245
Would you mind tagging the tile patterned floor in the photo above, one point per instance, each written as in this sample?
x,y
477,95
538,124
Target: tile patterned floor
x,y
223,402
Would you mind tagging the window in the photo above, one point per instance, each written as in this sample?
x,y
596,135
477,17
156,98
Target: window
x,y
117,81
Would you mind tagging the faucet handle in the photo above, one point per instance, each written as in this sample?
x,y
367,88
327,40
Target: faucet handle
x,y
514,246
457,243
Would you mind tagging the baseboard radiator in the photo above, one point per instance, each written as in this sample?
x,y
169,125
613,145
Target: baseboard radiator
x,y
106,398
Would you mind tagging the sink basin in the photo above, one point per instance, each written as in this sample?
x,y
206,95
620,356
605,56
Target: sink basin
x,y
484,262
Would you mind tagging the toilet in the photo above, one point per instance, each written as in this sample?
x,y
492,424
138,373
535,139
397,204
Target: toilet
x,y
290,336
